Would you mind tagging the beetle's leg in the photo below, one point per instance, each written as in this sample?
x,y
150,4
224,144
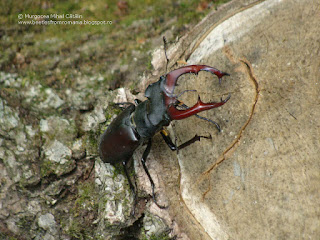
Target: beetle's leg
x,y
133,189
165,135
165,51
188,90
124,164
137,101
209,120
174,147
123,103
203,118
143,161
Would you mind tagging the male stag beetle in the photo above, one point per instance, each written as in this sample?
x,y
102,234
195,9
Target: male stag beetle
x,y
139,122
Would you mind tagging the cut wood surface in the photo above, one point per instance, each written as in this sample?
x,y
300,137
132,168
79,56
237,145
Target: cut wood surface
x,y
259,177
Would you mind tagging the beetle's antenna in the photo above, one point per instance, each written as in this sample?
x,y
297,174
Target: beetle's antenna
x,y
165,51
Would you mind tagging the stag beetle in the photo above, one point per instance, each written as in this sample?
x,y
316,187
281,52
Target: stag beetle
x,y
139,122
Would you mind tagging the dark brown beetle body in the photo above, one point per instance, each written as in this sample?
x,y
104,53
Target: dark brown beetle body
x,y
120,140
137,124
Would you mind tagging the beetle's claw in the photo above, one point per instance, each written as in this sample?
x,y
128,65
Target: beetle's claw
x,y
172,77
224,74
226,100
161,206
200,106
170,99
155,201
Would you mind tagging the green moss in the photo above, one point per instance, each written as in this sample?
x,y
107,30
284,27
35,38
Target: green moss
x,y
24,222
79,226
111,111
163,236
75,230
91,142
3,236
46,168
111,41
108,115
87,197
3,182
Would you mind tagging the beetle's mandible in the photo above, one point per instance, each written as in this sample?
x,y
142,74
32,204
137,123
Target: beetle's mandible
x,y
139,122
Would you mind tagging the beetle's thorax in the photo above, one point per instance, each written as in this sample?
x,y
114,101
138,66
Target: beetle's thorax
x,y
151,115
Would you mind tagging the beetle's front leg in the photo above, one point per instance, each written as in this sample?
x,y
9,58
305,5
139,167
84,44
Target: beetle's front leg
x,y
200,117
143,161
136,102
165,135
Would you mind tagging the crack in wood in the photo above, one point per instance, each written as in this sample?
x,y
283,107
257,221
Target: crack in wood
x,y
232,146
205,174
